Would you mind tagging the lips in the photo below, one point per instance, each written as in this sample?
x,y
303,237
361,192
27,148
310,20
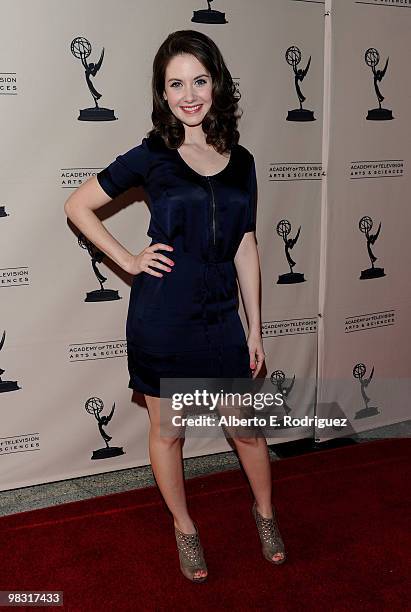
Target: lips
x,y
191,109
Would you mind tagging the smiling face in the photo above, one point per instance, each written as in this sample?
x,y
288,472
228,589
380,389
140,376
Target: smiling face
x,y
188,89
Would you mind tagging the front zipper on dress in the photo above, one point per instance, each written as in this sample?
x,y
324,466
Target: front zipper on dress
x,y
212,196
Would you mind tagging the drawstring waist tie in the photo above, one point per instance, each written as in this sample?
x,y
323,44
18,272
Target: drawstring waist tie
x,y
215,269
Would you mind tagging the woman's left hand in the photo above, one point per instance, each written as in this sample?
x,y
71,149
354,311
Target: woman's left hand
x,y
255,348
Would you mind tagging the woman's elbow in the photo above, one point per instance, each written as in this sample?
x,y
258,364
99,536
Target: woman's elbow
x,y
89,195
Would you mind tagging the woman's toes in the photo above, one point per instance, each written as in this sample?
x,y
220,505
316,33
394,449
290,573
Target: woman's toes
x,y
200,574
278,557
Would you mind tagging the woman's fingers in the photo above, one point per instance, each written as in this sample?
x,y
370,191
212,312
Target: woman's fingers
x,y
154,258
153,249
157,264
256,360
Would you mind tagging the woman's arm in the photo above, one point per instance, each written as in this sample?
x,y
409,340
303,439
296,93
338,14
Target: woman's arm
x,y
80,207
247,265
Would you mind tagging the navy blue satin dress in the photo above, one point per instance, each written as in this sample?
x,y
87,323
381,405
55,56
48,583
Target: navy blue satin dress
x,y
186,323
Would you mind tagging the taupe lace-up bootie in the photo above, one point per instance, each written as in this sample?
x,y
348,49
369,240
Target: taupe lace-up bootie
x,y
191,554
270,536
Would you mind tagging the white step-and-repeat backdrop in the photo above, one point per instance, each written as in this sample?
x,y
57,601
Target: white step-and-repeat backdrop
x,y
325,93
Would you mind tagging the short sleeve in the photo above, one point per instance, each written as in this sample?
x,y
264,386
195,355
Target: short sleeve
x,y
127,170
252,203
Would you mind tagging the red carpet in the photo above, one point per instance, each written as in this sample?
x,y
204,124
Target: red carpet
x,y
344,515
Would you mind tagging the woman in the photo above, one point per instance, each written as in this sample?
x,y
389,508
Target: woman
x,y
202,188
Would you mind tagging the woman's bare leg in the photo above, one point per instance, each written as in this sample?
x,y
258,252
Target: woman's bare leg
x,y
167,464
254,457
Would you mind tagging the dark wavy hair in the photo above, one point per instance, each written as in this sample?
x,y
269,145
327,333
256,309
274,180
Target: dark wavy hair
x,y
220,123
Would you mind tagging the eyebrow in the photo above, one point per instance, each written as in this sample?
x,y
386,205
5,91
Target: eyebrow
x,y
197,77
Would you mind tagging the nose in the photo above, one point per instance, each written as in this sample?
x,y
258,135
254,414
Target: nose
x,y
189,96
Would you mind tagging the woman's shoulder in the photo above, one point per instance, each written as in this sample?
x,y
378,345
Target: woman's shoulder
x,y
155,142
143,151
244,152
244,160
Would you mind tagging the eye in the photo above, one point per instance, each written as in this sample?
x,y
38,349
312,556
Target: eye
x,y
201,81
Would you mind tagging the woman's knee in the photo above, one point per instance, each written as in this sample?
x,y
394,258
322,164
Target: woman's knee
x,y
244,440
165,437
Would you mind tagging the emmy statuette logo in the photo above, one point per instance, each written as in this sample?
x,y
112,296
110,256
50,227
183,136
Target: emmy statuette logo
x,y
359,371
208,15
81,49
365,224
99,295
293,58
6,385
277,379
95,405
283,229
372,57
